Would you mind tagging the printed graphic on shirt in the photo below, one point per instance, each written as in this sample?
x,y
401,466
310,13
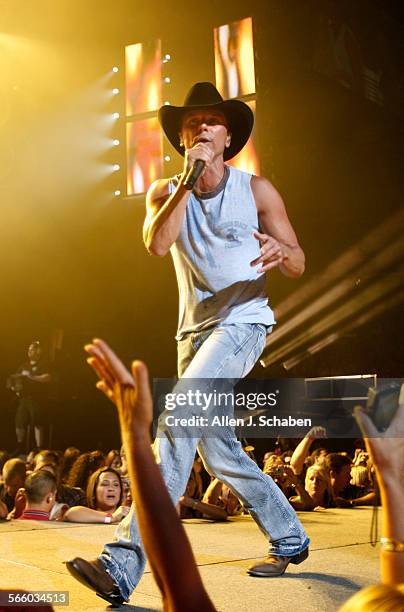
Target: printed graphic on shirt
x,y
233,232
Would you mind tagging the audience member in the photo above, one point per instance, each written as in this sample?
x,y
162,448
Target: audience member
x,y
13,479
40,495
113,459
66,495
345,495
4,456
316,492
104,499
83,467
46,456
302,450
69,457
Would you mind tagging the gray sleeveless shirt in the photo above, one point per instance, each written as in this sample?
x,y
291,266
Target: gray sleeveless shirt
x,y
212,256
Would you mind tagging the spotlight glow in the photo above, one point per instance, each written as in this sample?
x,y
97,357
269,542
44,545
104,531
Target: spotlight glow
x,y
116,142
167,80
166,103
115,69
117,193
166,58
167,158
116,115
115,91
116,167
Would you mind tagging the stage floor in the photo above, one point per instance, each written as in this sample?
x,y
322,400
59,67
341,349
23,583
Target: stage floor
x,y
341,561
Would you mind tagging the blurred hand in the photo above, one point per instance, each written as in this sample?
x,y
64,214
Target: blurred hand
x,y
340,502
316,433
20,502
386,449
187,501
120,513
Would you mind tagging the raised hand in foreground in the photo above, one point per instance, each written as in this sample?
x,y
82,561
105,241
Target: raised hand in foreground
x,y
163,535
387,453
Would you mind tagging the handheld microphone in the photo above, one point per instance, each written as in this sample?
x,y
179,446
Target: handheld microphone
x,y
193,174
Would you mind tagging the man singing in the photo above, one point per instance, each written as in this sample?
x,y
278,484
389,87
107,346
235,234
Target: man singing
x,y
223,236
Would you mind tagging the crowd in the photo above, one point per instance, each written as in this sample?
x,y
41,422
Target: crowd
x,y
71,486
92,487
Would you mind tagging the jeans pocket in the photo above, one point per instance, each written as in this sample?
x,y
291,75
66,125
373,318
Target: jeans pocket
x,y
198,338
258,345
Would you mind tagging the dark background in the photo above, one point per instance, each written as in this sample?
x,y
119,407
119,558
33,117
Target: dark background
x,y
72,257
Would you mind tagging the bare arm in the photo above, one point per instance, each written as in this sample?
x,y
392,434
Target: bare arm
x,y
387,452
213,492
208,510
81,514
164,211
3,510
279,245
41,378
164,215
370,499
163,535
302,450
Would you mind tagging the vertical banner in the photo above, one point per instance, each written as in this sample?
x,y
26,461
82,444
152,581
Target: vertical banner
x,y
234,59
143,77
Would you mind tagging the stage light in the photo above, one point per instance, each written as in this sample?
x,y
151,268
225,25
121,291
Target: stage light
x,y
116,167
115,69
166,58
116,142
117,193
115,91
116,115
167,158
166,103
167,80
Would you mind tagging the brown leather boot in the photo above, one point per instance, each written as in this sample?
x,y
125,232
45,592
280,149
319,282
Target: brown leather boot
x,y
274,565
94,576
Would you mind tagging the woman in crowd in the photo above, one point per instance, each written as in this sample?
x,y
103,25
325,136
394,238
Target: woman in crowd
x,y
83,467
104,499
113,459
316,492
69,457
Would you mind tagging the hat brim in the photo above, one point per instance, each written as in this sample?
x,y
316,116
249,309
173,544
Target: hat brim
x,y
239,116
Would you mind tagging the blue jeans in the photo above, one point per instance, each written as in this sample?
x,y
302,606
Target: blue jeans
x,y
226,351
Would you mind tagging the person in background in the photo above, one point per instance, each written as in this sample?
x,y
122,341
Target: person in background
x,y
302,450
316,492
4,456
69,457
104,500
123,470
345,496
219,496
46,456
66,495
40,496
30,382
14,474
113,459
83,467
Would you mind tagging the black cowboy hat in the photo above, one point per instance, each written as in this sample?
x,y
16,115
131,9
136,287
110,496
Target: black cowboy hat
x,y
204,96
